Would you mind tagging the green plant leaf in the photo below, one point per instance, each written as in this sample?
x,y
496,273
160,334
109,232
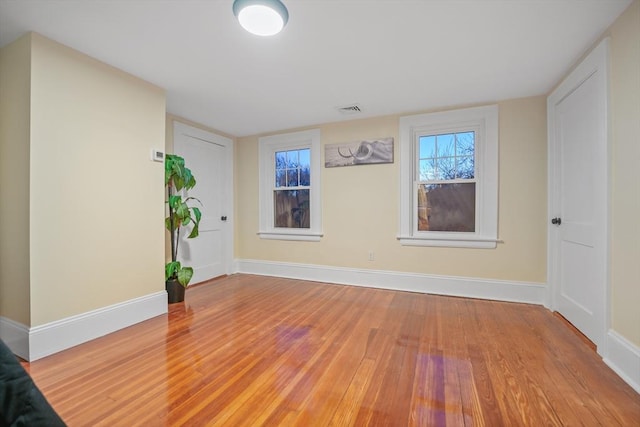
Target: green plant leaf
x,y
182,210
187,177
194,232
175,201
168,165
197,214
175,165
176,223
191,182
184,275
171,270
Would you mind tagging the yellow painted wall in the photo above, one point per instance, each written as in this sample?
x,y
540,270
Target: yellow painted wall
x,y
15,64
625,191
96,198
360,206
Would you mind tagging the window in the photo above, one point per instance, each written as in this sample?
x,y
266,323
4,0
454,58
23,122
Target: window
x,y
449,185
291,192
446,182
290,186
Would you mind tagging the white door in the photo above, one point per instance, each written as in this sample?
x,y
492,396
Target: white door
x,y
578,196
209,156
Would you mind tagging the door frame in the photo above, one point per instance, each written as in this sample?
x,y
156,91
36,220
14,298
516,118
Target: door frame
x,y
595,64
180,128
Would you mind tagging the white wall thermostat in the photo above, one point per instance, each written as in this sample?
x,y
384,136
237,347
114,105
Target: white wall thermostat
x,y
157,155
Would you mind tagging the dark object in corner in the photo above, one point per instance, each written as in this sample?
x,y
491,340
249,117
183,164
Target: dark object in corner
x,y
21,402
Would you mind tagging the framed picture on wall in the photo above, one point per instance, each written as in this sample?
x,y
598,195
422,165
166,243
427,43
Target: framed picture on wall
x,y
363,152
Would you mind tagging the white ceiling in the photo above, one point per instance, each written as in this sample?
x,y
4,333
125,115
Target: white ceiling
x,y
390,56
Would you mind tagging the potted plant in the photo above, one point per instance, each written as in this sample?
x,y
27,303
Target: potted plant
x,y
177,177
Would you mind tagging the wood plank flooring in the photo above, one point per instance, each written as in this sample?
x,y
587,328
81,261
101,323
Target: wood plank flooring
x,y
252,351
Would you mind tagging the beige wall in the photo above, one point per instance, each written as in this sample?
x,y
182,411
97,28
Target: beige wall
x,y
96,198
15,64
360,206
625,191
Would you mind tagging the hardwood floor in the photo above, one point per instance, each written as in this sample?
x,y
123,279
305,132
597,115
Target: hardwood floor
x,y
250,351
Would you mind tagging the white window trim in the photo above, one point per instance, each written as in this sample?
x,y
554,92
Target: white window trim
x,y
485,121
267,147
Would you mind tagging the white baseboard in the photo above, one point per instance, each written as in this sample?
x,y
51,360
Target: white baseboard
x,y
624,358
44,340
500,290
16,336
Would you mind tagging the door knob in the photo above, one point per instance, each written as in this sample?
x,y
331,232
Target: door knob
x,y
223,218
556,221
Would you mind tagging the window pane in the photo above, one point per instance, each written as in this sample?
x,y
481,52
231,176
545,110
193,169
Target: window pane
x,y
427,170
445,145
305,167
281,178
281,164
464,167
427,147
305,176
292,159
292,178
291,208
446,168
281,160
447,207
305,158
465,144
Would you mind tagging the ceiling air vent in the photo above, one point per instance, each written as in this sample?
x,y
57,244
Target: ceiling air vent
x,y
350,109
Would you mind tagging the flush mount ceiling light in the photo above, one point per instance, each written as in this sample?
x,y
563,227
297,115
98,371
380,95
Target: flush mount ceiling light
x,y
261,17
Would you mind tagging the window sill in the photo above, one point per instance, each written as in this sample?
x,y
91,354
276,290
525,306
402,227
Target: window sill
x,y
462,242
296,236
